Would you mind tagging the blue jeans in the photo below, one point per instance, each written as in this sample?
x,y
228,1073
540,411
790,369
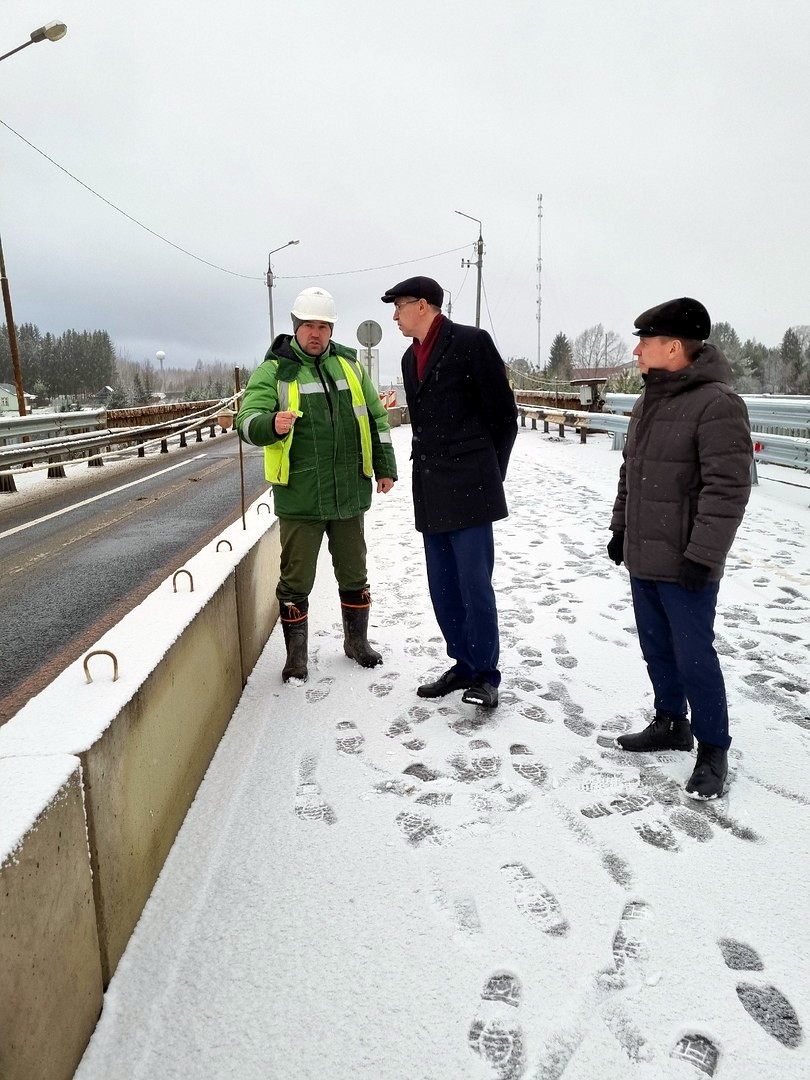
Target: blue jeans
x,y
676,634
459,570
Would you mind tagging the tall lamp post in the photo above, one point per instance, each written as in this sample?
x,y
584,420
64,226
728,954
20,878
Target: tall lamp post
x,y
271,282
51,31
479,262
160,356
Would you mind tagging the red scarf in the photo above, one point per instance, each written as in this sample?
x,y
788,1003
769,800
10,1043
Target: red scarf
x,y
423,349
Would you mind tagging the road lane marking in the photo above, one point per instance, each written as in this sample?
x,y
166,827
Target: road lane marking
x,y
95,498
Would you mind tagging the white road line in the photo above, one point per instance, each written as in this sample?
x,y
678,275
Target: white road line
x,y
95,498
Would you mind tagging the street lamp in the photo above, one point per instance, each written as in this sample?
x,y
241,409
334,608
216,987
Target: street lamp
x,y
160,356
271,283
479,262
51,31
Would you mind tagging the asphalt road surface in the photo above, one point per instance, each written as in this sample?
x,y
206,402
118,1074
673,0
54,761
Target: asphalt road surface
x,y
74,561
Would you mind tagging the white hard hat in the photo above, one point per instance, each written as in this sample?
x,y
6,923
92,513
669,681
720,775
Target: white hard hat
x,y
316,305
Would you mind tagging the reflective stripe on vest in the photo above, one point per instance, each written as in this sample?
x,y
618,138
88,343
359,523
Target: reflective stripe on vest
x,y
277,456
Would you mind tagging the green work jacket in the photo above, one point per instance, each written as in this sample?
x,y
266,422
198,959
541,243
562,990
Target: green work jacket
x,y
326,479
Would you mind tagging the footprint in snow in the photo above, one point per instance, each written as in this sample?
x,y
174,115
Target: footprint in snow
x,y
629,947
697,1050
349,739
763,1003
385,685
320,691
534,900
527,766
495,1034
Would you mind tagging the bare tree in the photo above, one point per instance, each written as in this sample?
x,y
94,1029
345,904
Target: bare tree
x,y
597,348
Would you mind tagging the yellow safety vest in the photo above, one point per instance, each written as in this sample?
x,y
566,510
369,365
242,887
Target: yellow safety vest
x,y
277,456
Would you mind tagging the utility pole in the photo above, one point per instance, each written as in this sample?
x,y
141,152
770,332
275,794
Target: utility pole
x,y
540,364
12,335
479,262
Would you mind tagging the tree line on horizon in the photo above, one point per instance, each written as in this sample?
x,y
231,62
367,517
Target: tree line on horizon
x,y
755,368
84,366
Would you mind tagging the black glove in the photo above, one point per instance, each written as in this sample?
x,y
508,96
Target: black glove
x,y
615,548
693,575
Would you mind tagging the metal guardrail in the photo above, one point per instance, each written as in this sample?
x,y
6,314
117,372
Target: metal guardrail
x,y
56,451
790,415
788,450
14,428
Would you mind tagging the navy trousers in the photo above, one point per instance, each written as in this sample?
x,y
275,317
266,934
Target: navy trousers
x,y
676,633
459,570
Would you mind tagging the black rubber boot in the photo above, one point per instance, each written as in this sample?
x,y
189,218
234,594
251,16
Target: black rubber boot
x,y
295,624
709,776
355,607
666,732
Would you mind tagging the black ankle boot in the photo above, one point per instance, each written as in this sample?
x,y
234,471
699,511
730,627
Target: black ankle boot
x,y
667,732
295,624
355,608
709,777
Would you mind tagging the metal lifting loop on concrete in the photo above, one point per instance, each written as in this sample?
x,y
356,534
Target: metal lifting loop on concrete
x,y
224,541
100,652
265,505
182,570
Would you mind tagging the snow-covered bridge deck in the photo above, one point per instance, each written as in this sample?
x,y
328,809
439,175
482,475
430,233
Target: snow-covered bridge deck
x,y
374,886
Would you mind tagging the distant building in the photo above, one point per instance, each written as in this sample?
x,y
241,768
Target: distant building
x,y
8,400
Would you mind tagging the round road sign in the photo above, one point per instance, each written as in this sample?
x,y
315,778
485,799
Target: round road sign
x,y
369,333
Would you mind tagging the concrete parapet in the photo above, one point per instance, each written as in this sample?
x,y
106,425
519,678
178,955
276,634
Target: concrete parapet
x,y
256,578
50,968
141,776
100,777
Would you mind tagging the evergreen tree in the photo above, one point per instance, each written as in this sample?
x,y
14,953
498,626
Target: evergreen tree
x,y
754,356
560,359
792,357
725,337
140,396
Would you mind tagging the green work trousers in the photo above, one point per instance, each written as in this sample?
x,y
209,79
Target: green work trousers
x,y
300,545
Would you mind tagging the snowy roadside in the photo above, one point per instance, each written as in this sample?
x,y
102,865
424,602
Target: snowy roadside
x,y
370,885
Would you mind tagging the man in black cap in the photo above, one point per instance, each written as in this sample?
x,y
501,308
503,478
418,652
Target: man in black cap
x,y
464,422
683,488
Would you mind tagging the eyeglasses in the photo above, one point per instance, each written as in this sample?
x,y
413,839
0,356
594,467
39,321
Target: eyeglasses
x,y
403,303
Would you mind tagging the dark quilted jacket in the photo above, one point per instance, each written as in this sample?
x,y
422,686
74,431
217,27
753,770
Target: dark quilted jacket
x,y
686,475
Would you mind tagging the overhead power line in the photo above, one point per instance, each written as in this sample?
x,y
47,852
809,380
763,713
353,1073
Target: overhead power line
x,y
197,258
367,269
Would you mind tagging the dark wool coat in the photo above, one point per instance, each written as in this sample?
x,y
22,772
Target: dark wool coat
x,y
463,423
686,476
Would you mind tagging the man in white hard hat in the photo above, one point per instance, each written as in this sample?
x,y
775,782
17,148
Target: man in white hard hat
x,y
325,434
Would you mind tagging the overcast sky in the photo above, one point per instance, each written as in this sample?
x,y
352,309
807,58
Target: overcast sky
x,y
669,143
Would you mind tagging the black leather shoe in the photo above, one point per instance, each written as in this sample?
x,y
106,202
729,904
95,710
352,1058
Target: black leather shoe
x,y
445,684
481,693
666,732
709,777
